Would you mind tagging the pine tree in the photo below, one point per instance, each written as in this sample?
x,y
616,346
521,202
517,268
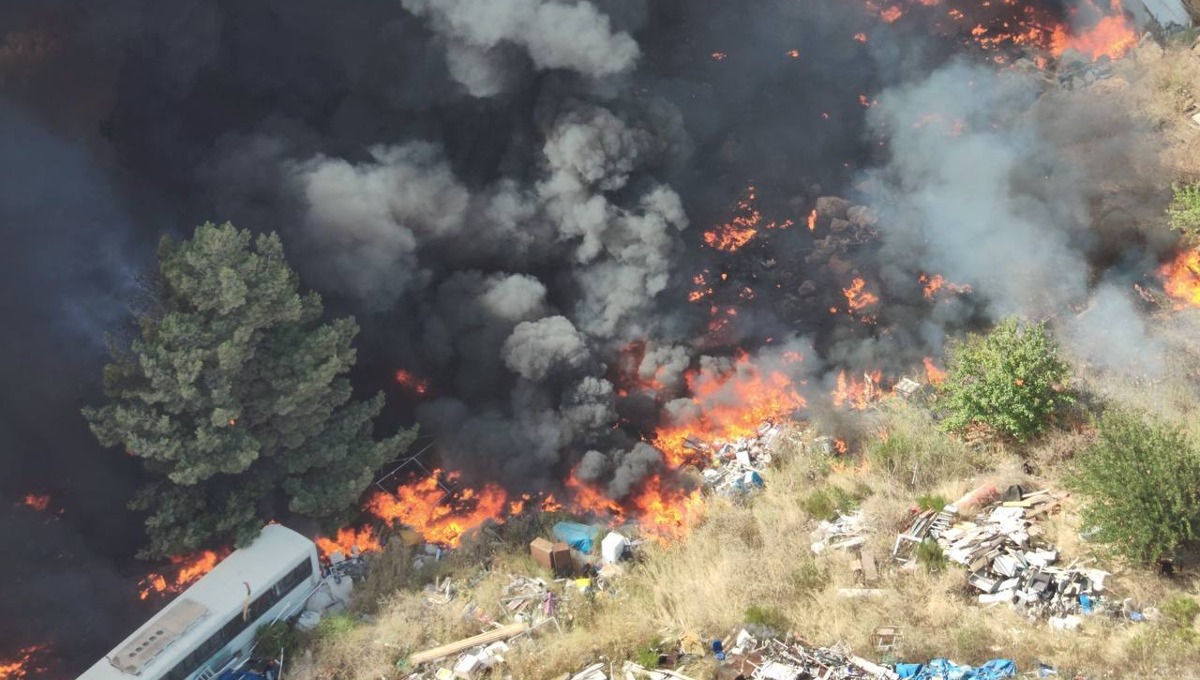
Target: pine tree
x,y
235,394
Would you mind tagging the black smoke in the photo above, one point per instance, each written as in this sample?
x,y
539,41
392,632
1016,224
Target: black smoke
x,y
506,193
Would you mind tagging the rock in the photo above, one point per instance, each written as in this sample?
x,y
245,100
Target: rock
x,y
831,207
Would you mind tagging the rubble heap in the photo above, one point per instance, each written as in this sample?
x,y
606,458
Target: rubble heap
x,y
792,659
1005,560
736,466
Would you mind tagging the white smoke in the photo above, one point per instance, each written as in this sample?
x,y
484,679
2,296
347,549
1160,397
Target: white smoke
x,y
554,35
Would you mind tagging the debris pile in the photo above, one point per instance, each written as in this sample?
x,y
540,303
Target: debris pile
x,y
1005,560
792,659
736,467
849,531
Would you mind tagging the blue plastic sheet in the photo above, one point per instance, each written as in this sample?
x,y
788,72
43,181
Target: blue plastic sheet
x,y
944,669
579,536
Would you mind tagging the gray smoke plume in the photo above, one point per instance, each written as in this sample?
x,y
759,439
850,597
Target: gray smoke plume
x,y
537,348
554,35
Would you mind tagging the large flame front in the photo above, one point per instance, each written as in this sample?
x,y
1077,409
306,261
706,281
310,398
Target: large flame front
x,y
729,406
857,394
440,515
1181,278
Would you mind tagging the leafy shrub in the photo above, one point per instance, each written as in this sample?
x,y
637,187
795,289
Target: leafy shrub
x,y
1010,380
767,617
1181,611
335,626
932,501
1141,481
828,502
808,578
1184,210
929,555
276,639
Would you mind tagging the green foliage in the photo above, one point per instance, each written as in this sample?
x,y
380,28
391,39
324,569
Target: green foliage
x,y
828,502
767,617
275,640
929,555
1184,210
932,501
336,626
1181,611
1141,481
234,394
808,578
1010,380
915,453
647,657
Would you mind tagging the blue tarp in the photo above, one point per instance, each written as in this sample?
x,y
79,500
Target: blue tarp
x,y
944,669
578,536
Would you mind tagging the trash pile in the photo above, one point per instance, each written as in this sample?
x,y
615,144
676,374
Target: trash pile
x,y
848,531
1004,558
792,659
736,467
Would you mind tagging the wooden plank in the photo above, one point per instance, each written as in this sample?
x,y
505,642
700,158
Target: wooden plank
x,y
443,651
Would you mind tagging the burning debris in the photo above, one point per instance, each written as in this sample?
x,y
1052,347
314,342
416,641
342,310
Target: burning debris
x,y
188,570
1181,278
26,664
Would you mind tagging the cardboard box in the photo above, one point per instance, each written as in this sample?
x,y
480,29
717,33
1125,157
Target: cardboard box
x,y
553,556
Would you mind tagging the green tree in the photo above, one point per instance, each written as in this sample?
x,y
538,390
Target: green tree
x,y
1010,379
1184,210
1141,482
235,397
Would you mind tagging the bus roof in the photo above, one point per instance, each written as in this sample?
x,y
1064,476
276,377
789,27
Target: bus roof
x,y
201,610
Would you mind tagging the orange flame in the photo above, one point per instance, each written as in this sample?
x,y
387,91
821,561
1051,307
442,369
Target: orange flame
x,y
188,570
857,298
411,381
1111,37
860,37
37,502
840,446
933,374
936,282
729,406
891,14
347,540
745,225
1181,278
664,512
812,220
718,56
437,515
24,665
857,394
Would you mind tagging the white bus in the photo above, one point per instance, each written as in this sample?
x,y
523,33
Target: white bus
x,y
213,622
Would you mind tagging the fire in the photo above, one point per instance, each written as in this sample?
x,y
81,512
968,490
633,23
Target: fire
x,y
860,37
858,298
347,541
24,665
37,502
729,405
745,225
412,382
718,56
933,374
665,512
589,500
1181,278
857,394
439,515
891,14
936,282
812,220
840,447
794,54
188,570
1111,37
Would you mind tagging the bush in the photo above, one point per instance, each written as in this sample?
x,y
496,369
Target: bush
x,y
1184,210
1141,481
275,640
767,617
932,501
828,502
1181,611
808,578
929,555
335,626
1010,380
914,453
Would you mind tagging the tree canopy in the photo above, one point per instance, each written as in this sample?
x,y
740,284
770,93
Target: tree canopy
x,y
235,396
1141,482
1011,380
